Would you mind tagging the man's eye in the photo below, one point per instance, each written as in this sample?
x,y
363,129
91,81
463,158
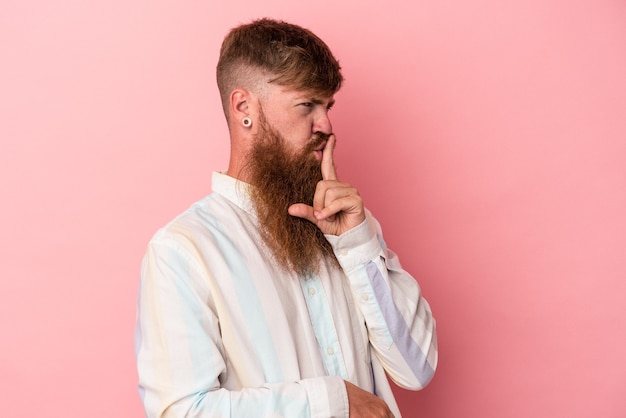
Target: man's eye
x,y
307,104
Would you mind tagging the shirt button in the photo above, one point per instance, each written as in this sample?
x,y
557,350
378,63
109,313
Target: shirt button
x,y
343,252
311,290
330,351
365,298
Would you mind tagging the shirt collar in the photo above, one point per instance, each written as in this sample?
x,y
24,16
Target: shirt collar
x,y
232,189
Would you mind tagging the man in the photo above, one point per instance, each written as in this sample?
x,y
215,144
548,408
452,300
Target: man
x,y
276,296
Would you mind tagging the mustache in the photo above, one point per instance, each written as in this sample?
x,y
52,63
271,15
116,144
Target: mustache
x,y
318,139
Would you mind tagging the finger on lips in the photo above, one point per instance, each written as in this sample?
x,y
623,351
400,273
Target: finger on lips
x,y
328,162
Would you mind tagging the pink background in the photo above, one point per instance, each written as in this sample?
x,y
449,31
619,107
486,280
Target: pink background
x,y
489,137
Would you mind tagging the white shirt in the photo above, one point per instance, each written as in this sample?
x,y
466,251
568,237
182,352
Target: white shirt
x,y
223,331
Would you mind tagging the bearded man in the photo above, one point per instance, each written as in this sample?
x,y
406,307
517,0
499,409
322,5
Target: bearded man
x,y
276,296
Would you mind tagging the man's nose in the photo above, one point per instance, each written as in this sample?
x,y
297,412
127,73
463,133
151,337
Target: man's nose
x,y
322,123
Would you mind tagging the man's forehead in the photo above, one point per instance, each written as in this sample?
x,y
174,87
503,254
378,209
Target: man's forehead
x,y
309,96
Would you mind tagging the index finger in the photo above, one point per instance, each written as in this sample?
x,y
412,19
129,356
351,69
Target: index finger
x,y
328,162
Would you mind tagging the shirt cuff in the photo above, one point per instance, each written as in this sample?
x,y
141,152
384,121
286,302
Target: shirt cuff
x,y
356,246
327,397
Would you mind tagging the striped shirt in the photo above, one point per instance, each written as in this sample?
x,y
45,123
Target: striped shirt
x,y
222,331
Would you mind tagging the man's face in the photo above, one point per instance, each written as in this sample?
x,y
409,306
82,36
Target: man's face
x,y
285,169
299,117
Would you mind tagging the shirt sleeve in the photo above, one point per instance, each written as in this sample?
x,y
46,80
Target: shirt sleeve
x,y
399,321
181,361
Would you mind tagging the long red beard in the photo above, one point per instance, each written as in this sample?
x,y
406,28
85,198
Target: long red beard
x,y
281,178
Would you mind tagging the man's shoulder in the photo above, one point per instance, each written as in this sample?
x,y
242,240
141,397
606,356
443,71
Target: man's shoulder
x,y
209,230
193,220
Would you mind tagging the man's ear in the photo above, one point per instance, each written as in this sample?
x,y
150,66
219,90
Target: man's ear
x,y
240,105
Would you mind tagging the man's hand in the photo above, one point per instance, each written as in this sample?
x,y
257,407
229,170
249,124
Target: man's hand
x,y
337,207
366,405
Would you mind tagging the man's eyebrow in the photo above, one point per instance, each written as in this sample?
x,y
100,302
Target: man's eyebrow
x,y
320,102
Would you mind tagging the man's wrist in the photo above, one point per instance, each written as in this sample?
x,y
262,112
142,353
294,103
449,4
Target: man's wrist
x,y
356,246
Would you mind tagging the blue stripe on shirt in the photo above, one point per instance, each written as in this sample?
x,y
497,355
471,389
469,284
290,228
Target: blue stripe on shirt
x,y
251,307
399,329
324,326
